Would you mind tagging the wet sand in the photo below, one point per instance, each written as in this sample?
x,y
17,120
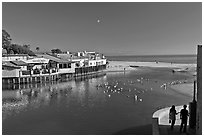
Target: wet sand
x,y
121,65
184,88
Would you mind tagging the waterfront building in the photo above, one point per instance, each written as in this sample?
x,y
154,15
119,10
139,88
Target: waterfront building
x,y
80,61
4,51
12,57
21,68
65,56
63,66
23,65
9,70
80,54
37,63
97,62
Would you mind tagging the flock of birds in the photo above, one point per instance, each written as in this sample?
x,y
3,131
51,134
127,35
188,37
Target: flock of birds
x,y
126,88
115,87
131,88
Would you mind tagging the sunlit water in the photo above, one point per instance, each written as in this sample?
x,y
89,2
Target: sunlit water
x,y
101,105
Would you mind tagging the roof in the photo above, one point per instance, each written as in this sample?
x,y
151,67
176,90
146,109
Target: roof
x,y
81,57
50,57
19,63
37,60
9,55
65,56
9,64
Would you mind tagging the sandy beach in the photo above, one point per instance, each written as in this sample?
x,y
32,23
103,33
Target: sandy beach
x,y
125,65
184,88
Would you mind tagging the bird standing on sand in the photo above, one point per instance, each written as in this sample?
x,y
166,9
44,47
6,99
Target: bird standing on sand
x,y
135,97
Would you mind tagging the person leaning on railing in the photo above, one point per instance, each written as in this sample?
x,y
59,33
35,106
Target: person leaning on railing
x,y
172,116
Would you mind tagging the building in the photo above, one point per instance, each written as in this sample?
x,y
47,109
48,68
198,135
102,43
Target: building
x,y
9,70
37,63
21,68
23,65
65,56
96,62
12,57
63,66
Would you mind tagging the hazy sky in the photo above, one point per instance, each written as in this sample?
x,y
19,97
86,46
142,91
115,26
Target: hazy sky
x,y
124,28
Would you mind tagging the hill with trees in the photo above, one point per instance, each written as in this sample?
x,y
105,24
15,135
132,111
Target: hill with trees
x,y
14,48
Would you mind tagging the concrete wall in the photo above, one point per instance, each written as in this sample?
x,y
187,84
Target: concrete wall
x,y
161,117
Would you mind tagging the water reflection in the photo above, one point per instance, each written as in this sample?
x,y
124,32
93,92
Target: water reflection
x,y
31,96
99,105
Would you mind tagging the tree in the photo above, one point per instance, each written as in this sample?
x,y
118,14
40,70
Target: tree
x,y
6,40
14,48
31,53
56,51
18,49
11,52
27,46
37,49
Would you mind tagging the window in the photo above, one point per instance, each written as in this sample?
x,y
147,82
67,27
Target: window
x,y
60,65
69,65
65,66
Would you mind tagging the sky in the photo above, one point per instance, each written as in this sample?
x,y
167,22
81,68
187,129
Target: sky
x,y
117,28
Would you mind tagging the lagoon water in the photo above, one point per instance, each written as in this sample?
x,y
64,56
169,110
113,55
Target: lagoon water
x,y
115,103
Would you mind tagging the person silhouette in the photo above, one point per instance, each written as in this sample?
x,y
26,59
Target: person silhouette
x,y
172,116
184,117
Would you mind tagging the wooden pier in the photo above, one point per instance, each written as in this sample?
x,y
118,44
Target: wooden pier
x,y
83,72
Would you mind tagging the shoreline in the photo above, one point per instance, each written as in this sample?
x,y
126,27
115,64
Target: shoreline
x,y
115,66
184,87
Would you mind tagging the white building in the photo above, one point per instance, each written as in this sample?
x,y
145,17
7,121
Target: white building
x,y
9,70
23,65
13,57
37,62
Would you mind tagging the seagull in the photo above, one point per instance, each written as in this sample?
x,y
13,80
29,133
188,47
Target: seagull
x,y
98,21
135,97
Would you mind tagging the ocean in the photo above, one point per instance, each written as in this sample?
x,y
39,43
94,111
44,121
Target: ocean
x,y
111,104
187,59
